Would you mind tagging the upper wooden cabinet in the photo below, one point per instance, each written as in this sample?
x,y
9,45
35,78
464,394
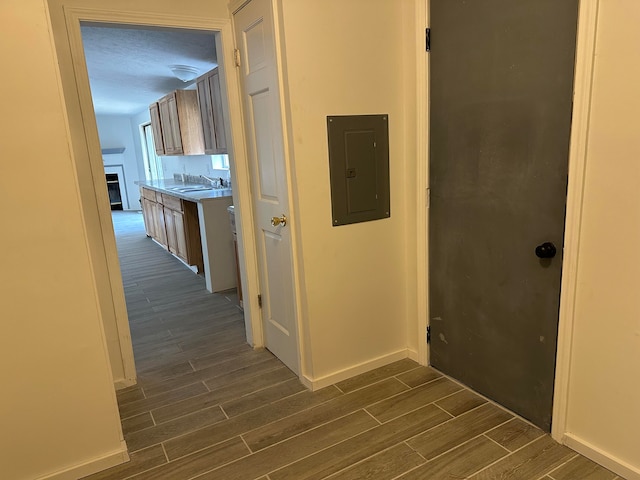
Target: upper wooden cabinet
x,y
212,118
158,143
175,119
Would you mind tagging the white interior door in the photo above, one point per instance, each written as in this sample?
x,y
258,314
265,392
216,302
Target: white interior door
x,y
263,125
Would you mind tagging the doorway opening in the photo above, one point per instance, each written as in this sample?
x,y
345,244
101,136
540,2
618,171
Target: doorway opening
x,y
130,67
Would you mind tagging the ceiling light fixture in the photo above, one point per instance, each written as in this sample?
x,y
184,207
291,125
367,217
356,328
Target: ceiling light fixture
x,y
184,72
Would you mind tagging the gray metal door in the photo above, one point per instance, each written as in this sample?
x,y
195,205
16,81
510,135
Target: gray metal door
x,y
501,96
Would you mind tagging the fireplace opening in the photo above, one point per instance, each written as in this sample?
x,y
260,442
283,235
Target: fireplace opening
x,y
113,187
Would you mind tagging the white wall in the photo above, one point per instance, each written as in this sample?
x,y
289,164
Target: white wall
x,y
347,58
604,399
115,131
57,403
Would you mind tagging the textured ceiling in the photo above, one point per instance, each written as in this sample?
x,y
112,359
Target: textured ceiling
x,y
129,67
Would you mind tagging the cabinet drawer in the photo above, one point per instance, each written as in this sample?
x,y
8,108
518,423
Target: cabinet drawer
x,y
171,202
148,194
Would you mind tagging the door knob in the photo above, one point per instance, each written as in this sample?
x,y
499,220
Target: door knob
x,y
546,250
275,221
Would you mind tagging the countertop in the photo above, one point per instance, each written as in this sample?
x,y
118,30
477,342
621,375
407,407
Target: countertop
x,y
166,185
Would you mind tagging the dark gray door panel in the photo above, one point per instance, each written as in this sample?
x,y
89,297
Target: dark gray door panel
x,y
501,97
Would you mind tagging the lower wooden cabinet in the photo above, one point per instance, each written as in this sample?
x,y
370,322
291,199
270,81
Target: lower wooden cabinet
x,y
173,222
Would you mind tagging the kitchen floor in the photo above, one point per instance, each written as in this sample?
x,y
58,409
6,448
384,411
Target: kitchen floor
x,y
208,406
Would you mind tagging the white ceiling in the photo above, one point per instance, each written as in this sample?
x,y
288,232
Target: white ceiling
x,y
129,67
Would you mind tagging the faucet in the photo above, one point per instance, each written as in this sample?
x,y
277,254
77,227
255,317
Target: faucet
x,y
213,181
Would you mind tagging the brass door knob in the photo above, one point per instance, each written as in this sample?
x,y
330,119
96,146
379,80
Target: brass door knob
x,y
275,221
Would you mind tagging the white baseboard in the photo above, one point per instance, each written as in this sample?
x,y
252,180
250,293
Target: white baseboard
x,y
91,466
413,355
325,381
121,383
625,470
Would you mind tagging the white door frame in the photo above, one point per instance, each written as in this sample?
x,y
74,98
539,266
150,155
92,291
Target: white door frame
x,y
88,142
587,23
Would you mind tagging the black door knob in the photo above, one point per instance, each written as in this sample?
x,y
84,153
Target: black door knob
x,y
546,250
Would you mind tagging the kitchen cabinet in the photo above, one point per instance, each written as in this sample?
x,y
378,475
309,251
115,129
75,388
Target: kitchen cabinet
x,y
154,112
173,223
211,113
175,119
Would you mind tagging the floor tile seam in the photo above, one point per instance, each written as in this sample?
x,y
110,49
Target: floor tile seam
x,y
134,475
262,372
554,470
234,381
171,401
415,409
406,442
380,452
411,388
290,415
226,416
179,458
511,454
395,377
369,413
177,418
487,399
224,328
427,461
201,474
226,439
484,434
196,368
221,351
411,370
315,452
507,452
203,342
375,382
195,381
165,453
448,421
258,391
315,427
246,445
451,395
188,413
334,444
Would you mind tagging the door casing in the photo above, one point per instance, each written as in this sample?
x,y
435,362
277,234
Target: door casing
x,y
85,148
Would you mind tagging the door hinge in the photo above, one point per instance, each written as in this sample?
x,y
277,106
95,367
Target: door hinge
x,y
428,199
260,301
427,39
429,334
236,56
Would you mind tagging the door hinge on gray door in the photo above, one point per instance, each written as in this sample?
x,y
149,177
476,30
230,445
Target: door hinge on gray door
x,y
427,39
429,334
260,301
236,56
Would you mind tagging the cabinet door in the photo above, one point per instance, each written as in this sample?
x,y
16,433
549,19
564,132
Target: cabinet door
x,y
171,230
216,110
160,229
181,236
156,128
147,215
206,115
170,124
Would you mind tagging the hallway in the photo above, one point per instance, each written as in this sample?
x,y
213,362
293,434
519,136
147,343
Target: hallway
x,y
208,406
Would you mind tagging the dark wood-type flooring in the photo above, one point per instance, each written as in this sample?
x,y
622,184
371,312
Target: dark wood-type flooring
x,y
208,406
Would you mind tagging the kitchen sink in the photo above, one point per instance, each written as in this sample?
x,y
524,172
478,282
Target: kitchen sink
x,y
190,188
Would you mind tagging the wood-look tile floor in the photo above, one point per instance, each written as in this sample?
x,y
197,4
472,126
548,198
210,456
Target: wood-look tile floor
x,y
207,406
